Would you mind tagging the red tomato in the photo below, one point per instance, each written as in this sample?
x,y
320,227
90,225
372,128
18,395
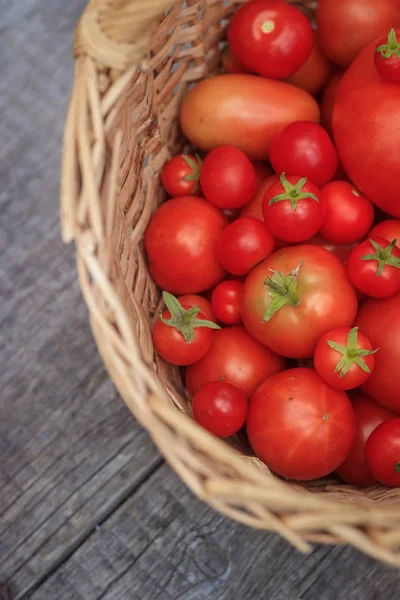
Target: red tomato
x,y
387,58
254,207
270,38
368,415
328,101
243,244
306,150
382,452
220,407
374,268
228,179
294,296
180,175
235,357
346,26
313,75
180,242
344,358
226,299
342,252
292,209
379,320
181,334
367,136
245,111
203,304
231,64
388,230
348,214
299,426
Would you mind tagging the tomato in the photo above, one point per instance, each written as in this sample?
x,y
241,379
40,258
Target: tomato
x,y
306,150
344,358
342,252
294,296
348,214
313,75
254,207
227,177
387,58
243,244
180,175
328,101
292,209
270,38
226,299
365,125
181,334
368,415
231,64
346,26
374,268
388,230
379,320
180,242
382,452
299,426
245,111
220,407
203,304
235,357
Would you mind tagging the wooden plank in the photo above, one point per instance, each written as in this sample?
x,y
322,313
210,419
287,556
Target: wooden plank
x,y
164,544
71,451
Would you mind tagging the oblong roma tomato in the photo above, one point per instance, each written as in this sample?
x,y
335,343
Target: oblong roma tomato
x,y
294,296
244,111
299,426
180,242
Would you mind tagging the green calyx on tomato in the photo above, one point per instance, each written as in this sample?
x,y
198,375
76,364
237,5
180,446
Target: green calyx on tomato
x,y
392,47
283,291
397,467
350,354
383,256
185,321
196,168
293,193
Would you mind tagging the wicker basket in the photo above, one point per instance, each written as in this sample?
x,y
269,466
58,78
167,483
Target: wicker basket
x,y
134,62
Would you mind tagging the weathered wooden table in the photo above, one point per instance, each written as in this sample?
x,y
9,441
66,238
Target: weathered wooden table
x,y
89,510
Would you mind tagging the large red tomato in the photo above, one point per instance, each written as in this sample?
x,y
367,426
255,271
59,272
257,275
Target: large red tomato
x,y
329,99
367,135
294,296
180,242
380,321
299,426
235,357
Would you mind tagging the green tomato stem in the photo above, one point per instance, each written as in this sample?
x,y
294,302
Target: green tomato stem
x,y
293,193
350,354
283,291
185,321
392,47
383,256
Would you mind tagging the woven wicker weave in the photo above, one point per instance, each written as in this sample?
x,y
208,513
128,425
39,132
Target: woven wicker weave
x,y
134,62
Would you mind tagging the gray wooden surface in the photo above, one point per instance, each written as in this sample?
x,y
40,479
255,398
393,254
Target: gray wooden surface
x,y
88,509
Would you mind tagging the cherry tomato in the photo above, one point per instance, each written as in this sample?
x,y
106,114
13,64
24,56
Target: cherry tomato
x,y
231,64
328,101
228,179
270,38
305,149
374,268
368,415
254,207
203,304
292,209
180,175
382,452
226,299
387,58
235,357
220,407
243,244
181,334
313,75
388,230
180,242
346,26
294,296
348,214
344,358
342,252
299,426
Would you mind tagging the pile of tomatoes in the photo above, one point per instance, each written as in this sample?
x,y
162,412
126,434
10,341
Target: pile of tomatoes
x,y
278,252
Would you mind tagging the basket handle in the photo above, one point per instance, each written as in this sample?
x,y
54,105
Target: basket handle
x,y
116,32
